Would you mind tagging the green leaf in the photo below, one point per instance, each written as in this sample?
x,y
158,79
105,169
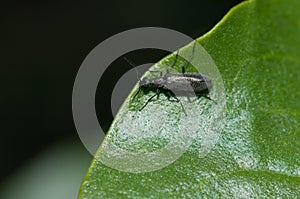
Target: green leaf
x,y
253,151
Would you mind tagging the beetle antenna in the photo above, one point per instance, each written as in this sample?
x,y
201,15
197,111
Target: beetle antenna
x,y
191,55
136,71
133,66
175,59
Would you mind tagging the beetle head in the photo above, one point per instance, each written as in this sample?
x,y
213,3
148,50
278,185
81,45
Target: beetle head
x,y
144,83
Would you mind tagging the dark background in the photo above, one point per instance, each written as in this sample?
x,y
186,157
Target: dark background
x,y
43,44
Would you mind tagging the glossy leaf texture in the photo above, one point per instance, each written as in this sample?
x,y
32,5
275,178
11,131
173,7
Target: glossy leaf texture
x,y
254,148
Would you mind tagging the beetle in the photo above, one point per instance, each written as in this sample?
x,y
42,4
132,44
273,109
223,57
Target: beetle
x,y
174,84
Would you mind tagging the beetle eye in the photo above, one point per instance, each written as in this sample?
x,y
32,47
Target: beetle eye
x,y
144,81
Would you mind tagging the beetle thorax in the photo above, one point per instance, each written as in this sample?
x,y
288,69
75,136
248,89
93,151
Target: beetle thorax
x,y
155,82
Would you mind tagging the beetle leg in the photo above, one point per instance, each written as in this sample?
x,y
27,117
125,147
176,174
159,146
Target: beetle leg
x,y
205,96
183,70
156,71
137,92
177,100
156,94
171,94
209,99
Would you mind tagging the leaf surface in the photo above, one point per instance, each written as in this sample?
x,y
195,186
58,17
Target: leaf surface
x,y
253,148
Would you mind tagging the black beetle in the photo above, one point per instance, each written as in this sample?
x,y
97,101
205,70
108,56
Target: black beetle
x,y
185,84
172,84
